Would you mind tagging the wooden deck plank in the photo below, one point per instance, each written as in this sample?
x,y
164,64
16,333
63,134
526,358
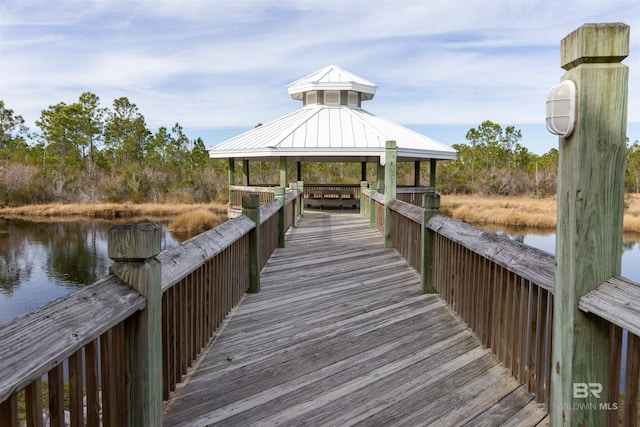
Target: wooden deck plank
x,y
340,334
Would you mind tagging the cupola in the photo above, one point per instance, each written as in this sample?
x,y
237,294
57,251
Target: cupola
x,y
332,86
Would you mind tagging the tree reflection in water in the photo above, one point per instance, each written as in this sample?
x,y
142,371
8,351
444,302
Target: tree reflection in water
x,y
41,261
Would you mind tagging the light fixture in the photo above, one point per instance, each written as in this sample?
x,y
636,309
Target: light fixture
x,y
561,108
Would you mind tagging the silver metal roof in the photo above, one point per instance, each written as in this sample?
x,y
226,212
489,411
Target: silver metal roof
x,y
332,77
331,132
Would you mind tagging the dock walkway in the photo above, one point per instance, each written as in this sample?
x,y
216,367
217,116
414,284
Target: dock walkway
x,y
340,334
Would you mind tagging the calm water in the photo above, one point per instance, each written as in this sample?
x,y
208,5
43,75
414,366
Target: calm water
x,y
546,240
40,262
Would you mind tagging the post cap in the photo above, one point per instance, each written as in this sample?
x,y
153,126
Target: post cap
x,y
250,201
134,242
390,145
595,43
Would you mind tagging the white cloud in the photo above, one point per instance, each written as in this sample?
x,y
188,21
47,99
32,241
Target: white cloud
x,y
221,63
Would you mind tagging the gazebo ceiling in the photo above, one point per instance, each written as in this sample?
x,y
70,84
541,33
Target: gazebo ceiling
x,y
331,127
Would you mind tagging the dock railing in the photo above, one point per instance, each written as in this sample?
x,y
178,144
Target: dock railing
x,y
115,349
504,291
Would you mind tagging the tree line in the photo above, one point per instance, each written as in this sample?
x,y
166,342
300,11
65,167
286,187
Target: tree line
x,y
87,153
84,152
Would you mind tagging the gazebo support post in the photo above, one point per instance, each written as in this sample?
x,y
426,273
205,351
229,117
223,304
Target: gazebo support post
x,y
245,172
283,172
363,171
416,173
232,177
432,173
380,178
389,189
298,171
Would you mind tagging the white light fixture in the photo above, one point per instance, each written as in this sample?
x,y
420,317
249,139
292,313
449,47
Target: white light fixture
x,y
561,108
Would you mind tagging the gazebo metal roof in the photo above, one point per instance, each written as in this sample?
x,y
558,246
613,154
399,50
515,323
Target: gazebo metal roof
x,y
320,132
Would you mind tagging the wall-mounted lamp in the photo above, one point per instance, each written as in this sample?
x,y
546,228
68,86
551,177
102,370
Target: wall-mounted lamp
x,y
561,108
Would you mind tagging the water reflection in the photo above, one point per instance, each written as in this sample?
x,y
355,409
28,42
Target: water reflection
x,y
41,261
545,239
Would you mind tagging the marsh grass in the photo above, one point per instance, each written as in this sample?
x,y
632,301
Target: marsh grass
x,y
108,210
522,211
196,221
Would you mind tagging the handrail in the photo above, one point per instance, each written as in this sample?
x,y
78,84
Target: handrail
x,y
501,288
178,261
32,344
617,300
526,261
201,280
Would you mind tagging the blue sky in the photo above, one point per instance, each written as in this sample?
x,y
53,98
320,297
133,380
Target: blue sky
x,y
220,67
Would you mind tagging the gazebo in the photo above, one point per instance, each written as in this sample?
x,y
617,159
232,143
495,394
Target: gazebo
x,y
331,126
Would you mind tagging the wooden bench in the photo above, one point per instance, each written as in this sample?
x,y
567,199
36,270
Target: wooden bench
x,y
332,198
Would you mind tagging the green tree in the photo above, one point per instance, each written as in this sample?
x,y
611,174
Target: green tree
x,y
633,167
13,134
125,133
72,131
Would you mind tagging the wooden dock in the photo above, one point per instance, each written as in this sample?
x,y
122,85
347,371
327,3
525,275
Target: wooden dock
x,y
340,334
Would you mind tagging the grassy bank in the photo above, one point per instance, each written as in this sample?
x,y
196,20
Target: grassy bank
x,y
110,210
522,211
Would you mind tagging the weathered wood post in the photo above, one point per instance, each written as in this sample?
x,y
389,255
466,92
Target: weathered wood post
x,y
245,172
432,173
133,247
301,189
589,227
431,204
416,173
373,188
251,208
231,178
389,190
380,177
363,186
279,196
284,165
294,187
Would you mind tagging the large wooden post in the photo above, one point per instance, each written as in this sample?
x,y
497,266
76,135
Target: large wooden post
x,y
133,247
251,208
363,171
590,209
389,189
431,204
298,171
279,196
416,173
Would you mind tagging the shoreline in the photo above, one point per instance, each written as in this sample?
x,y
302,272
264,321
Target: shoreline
x,y
105,211
515,212
523,211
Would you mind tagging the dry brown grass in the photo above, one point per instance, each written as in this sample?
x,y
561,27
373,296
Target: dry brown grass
x,y
109,210
195,221
523,211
